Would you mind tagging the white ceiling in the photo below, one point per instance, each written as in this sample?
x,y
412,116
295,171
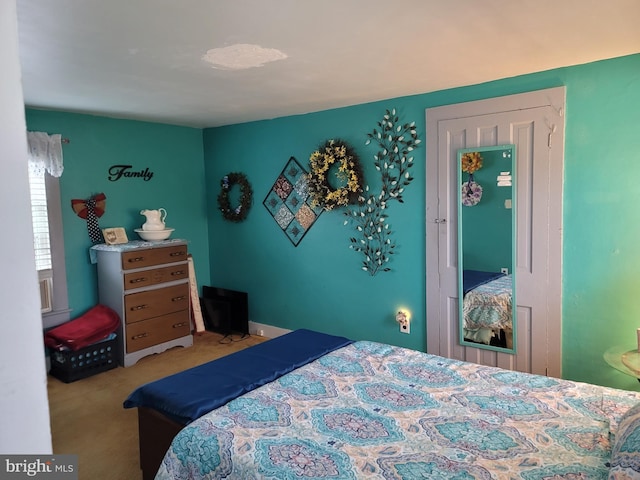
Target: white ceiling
x,y
143,59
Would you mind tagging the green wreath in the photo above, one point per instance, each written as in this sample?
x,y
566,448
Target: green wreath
x,y
349,172
239,213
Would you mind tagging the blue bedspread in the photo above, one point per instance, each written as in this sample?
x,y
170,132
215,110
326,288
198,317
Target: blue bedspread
x,y
190,394
474,278
374,411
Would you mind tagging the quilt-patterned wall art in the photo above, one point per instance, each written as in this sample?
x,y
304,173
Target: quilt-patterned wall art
x,y
289,202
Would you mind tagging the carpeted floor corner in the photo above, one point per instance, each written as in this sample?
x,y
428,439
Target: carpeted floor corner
x,y
87,417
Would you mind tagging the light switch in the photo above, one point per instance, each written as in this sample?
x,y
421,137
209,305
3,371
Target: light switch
x,y
507,203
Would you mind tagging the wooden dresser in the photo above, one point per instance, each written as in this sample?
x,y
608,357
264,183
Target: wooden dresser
x,y
147,283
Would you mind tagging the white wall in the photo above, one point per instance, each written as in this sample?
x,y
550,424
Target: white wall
x,y
24,408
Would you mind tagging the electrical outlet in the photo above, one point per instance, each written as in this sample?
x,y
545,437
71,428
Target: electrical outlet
x,y
403,320
405,327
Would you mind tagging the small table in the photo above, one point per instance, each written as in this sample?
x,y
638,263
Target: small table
x,y
624,360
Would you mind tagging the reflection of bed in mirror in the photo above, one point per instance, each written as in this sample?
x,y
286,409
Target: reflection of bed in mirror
x,y
486,248
487,308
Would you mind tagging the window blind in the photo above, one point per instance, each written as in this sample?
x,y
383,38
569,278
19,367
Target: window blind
x,y
41,242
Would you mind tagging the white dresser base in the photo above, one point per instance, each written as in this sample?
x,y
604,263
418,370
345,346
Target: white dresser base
x,y
132,358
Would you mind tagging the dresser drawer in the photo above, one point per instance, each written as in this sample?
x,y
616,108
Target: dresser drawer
x,y
149,257
152,303
155,276
157,330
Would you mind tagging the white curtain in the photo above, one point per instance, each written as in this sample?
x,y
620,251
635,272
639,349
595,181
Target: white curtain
x,y
45,153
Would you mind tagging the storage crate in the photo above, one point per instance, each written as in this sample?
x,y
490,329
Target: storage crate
x,y
70,366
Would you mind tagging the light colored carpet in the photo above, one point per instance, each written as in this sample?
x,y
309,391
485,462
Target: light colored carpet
x,y
87,417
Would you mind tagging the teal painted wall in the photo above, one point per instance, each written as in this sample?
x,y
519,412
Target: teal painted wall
x,y
487,227
601,306
319,284
174,155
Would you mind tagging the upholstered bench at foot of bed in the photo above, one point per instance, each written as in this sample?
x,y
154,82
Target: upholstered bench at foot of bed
x,y
158,432
167,405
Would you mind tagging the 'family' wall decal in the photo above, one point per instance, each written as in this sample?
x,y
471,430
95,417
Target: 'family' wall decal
x,y
116,172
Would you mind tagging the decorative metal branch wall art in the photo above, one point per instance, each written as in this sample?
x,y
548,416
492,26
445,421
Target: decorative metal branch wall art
x,y
395,141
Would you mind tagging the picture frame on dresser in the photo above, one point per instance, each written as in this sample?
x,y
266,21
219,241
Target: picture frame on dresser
x,y
147,284
115,236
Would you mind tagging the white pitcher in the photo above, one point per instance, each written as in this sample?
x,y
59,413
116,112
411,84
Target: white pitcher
x,y
155,219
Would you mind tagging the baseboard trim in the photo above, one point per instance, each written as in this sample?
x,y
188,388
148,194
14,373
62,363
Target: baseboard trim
x,y
268,331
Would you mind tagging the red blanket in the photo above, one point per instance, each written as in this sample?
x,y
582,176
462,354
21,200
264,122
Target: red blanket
x,y
95,325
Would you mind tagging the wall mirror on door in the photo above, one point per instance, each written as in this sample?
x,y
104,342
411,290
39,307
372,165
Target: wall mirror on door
x,y
486,247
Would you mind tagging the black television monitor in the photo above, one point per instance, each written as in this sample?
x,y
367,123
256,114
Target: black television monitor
x,y
225,311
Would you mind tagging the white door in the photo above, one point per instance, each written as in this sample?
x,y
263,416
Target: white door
x,y
534,123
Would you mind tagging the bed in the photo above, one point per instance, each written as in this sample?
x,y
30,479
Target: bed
x,y
487,307
167,405
371,410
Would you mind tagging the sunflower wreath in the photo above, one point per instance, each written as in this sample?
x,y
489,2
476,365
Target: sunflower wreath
x,y
349,172
240,212
471,162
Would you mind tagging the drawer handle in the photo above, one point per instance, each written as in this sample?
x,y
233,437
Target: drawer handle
x,y
176,254
139,307
142,335
179,299
138,280
136,259
178,325
178,272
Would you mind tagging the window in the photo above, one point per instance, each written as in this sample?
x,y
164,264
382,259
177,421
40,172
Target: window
x,y
41,240
48,243
45,155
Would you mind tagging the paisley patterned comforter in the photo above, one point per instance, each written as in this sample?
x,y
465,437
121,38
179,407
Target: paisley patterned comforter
x,y
489,305
370,410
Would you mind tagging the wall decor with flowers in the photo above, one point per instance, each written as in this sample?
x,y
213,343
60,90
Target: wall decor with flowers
x,y
471,190
335,179
395,141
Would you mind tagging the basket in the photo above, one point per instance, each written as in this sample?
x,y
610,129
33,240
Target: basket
x,y
69,365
